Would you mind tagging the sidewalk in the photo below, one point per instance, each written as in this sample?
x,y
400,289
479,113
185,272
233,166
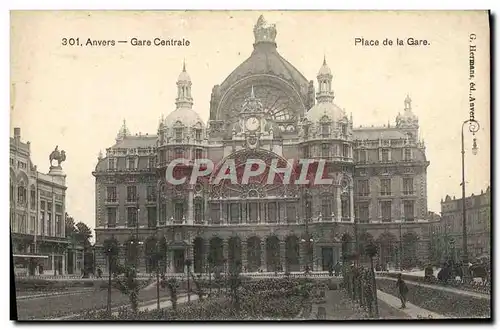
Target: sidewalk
x,y
339,306
443,288
147,305
412,311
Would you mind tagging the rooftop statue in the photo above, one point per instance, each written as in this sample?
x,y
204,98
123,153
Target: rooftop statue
x,y
60,156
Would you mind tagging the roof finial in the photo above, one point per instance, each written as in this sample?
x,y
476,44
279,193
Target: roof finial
x,y
407,102
123,132
184,65
324,59
252,93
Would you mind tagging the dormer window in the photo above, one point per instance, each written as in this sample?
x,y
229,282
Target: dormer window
x,y
306,131
362,156
131,163
343,128
385,155
178,135
197,134
325,130
151,162
111,163
407,154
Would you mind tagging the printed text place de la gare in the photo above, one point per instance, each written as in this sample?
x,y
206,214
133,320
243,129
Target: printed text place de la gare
x,y
410,41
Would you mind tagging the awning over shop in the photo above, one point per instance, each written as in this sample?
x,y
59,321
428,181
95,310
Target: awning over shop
x,y
30,256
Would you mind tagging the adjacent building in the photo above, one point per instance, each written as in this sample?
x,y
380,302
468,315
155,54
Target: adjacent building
x,y
266,109
37,212
448,232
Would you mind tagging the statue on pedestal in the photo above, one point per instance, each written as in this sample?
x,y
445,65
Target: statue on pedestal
x,y
60,156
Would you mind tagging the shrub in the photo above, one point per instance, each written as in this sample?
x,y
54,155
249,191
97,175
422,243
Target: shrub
x,y
439,301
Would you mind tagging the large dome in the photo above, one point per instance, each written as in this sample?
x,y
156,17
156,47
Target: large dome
x,y
265,59
329,109
187,117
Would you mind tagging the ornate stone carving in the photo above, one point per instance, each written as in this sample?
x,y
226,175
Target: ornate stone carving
x,y
263,31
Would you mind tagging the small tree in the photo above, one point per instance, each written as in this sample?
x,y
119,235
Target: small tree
x,y
371,250
172,286
162,256
111,250
234,285
126,282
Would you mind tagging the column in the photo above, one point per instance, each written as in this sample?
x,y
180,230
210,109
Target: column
x,y
53,266
75,262
302,255
63,266
338,212
189,256
258,212
241,207
207,213
244,255
263,254
170,261
206,251
351,203
190,205
282,212
283,255
225,249
221,212
317,258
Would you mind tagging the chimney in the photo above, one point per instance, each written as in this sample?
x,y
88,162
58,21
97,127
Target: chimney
x,y
17,133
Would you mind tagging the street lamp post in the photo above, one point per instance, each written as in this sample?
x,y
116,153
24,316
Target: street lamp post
x,y
356,241
157,261
307,242
473,128
188,266
109,281
401,245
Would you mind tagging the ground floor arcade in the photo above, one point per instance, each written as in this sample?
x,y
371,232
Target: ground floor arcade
x,y
267,248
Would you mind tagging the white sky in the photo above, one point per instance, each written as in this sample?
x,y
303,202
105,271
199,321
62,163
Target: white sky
x,y
76,97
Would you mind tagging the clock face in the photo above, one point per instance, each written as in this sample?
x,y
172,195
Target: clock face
x,y
252,123
276,103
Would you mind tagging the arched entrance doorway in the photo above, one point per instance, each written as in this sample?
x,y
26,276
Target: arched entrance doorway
x,y
253,254
234,252
216,253
273,254
292,250
387,243
198,252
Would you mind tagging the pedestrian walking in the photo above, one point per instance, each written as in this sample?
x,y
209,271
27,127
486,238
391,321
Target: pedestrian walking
x,y
402,289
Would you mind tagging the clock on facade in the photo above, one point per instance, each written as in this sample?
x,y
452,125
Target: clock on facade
x,y
252,123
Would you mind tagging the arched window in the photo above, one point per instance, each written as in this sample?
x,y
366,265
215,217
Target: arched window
x,y
325,130
308,206
21,194
11,191
198,210
326,205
